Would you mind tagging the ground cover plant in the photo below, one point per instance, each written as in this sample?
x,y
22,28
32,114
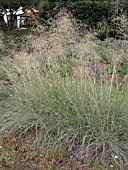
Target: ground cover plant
x,y
64,102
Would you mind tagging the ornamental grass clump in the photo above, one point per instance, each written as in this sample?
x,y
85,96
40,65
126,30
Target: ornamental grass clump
x,y
62,94
51,109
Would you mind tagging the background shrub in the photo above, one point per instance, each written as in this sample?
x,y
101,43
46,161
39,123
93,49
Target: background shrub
x,y
91,13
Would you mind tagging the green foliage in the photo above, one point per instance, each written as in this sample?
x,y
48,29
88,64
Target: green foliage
x,y
66,67
111,16
67,62
3,94
93,13
119,69
16,3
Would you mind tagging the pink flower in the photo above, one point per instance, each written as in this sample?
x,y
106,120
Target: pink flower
x,y
54,161
1,147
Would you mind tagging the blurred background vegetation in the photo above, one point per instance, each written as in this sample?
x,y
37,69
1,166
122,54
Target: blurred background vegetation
x,y
109,17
